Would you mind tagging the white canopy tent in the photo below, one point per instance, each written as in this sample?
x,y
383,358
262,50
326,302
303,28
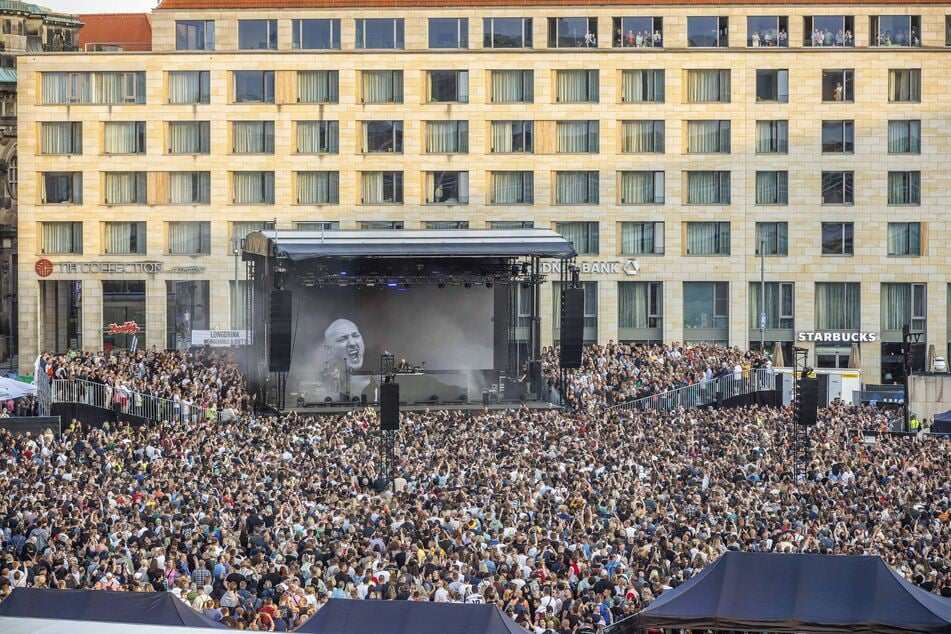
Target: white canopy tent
x,y
14,389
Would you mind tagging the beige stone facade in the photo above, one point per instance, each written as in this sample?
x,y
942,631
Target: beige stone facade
x,y
870,265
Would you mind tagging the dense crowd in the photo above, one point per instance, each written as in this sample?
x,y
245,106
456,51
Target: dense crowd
x,y
615,373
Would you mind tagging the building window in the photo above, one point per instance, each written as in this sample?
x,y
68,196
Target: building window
x,y
62,188
124,137
838,306
772,238
507,32
318,86
706,305
447,188
446,225
642,188
828,30
708,31
576,86
124,238
576,188
315,35
767,31
838,188
904,188
240,230
123,301
838,238
381,225
640,305
894,30
636,32
642,86
382,86
189,188
642,238
120,87
572,32
448,86
447,137
61,238
512,137
101,87
61,137
189,137
252,137
707,238
708,86
904,136
708,137
318,137
318,188
904,85
320,225
253,86
379,188
189,86
511,224
772,188
187,308
577,137
838,137
194,35
189,238
904,305
772,86
708,188
904,239
383,136
642,137
253,188
257,35
779,306
448,32
513,188
772,137
513,86
583,236
838,85
125,188
590,290
379,33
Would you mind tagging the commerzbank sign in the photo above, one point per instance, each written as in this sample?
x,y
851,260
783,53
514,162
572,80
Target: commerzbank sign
x,y
630,266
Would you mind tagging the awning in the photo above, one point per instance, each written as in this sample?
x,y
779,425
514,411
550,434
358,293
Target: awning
x,y
481,243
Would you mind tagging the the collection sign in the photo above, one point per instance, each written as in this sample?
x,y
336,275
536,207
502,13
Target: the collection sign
x,y
838,337
629,266
44,268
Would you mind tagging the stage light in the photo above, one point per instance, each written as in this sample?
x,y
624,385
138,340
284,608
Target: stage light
x,y
391,284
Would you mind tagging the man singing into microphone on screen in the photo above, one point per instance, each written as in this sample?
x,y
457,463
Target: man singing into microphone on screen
x,y
344,347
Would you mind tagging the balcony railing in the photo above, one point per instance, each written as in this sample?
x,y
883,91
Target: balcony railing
x,y
127,402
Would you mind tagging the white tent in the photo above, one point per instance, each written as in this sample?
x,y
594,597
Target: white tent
x,y
14,389
27,625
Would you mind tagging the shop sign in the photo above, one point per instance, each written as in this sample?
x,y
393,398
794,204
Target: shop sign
x,y
838,337
629,266
219,338
128,328
44,268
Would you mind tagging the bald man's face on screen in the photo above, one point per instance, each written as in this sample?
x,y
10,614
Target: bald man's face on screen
x,y
345,343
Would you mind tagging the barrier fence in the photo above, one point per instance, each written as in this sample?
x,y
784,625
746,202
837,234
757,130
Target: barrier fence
x,y
125,401
705,392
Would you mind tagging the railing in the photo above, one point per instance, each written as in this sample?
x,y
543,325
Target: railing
x,y
128,402
705,392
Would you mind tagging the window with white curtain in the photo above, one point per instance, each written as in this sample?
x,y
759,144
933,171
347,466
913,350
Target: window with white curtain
x,y
253,86
61,87
448,86
838,306
189,238
708,188
838,238
772,137
189,86
904,85
576,86
381,86
708,137
642,85
640,304
61,137
241,229
772,85
447,137
512,137
381,225
779,305
904,305
904,136
189,137
383,137
642,238
772,238
316,34
838,188
318,225
512,188
381,188
62,188
120,87
772,188
576,188
904,188
318,188
577,137
642,187
125,188
708,86
124,238
239,304
318,137
124,137
642,137
583,236
106,87
318,86
511,224
707,238
189,188
513,86
252,137
60,238
446,225
379,33
447,188
253,188
706,305
904,239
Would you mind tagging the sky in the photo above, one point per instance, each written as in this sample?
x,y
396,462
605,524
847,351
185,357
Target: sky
x,y
97,6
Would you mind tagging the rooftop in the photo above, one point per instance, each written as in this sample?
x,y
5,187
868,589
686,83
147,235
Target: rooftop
x,y
128,31
462,4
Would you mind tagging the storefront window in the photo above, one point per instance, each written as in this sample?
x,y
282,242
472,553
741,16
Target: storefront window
x,y
61,310
123,302
186,310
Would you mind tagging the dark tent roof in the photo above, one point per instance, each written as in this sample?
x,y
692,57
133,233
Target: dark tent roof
x,y
349,616
943,417
433,243
802,593
142,608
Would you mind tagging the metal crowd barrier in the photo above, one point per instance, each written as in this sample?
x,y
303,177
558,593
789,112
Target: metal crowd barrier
x,y
127,402
705,392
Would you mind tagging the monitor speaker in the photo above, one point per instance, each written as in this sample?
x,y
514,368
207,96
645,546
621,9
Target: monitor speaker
x,y
279,340
572,327
808,401
390,406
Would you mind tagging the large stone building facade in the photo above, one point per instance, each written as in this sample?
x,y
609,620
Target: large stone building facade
x,y
669,143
